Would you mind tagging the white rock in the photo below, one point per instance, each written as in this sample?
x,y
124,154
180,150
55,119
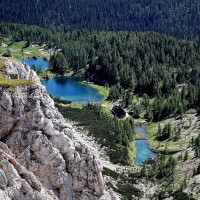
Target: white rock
x,y
47,162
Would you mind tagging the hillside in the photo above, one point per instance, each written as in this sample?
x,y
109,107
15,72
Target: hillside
x,y
152,76
162,70
43,157
40,158
175,17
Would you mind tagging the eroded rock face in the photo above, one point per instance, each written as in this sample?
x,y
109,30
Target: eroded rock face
x,y
39,157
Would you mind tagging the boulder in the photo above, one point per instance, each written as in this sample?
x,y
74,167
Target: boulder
x,y
118,111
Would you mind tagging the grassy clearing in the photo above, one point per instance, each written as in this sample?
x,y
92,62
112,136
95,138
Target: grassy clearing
x,y
11,84
18,51
2,65
151,129
131,152
166,146
5,40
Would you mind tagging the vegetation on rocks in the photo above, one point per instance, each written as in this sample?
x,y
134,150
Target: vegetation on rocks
x,y
11,83
123,184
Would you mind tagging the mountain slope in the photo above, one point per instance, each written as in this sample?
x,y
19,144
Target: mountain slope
x,y
40,158
177,17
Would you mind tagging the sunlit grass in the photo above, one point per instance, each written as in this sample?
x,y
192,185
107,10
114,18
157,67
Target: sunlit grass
x,y
104,91
5,40
131,152
2,65
12,83
17,49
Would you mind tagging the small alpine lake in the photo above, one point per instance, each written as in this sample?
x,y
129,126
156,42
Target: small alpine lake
x,y
71,88
67,88
143,151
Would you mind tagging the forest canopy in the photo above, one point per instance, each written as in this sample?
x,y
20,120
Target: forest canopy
x,y
179,18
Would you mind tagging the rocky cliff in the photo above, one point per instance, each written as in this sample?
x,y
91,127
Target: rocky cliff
x,y
39,156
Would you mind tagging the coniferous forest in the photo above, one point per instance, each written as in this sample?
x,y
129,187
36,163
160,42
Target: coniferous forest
x,y
175,17
145,63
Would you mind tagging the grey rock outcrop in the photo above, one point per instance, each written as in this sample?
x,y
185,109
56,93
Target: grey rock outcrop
x,y
39,157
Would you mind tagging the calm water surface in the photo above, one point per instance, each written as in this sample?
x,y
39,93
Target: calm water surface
x,y
70,88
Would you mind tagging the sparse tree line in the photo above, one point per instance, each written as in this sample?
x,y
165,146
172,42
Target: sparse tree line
x,y
168,132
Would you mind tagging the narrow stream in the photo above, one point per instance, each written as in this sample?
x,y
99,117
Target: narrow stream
x,y
143,151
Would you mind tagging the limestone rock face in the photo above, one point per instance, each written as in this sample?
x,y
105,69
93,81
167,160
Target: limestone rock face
x,y
39,157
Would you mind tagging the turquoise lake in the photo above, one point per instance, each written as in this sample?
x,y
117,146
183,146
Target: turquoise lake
x,y
143,152
39,62
67,88
70,88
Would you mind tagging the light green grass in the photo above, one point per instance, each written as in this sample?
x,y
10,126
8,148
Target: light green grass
x,y
14,82
160,146
104,91
2,65
131,152
16,49
44,74
151,129
5,40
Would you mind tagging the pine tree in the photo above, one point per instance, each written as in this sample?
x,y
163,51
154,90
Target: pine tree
x,y
159,133
185,156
